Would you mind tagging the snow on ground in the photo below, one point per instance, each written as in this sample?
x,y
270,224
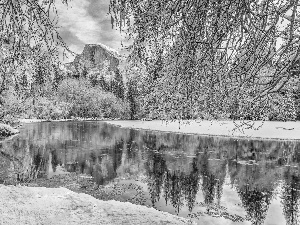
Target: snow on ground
x,y
62,120
238,129
60,206
6,130
30,120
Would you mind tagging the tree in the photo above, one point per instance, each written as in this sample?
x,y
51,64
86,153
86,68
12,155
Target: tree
x,y
103,83
212,49
24,82
57,78
30,24
39,75
84,72
132,98
28,30
118,85
76,73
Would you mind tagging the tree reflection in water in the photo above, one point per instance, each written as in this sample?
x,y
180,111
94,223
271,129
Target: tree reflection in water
x,y
213,174
29,171
191,186
255,185
54,160
176,186
291,196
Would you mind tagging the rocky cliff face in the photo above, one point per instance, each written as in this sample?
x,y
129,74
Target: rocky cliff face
x,y
97,56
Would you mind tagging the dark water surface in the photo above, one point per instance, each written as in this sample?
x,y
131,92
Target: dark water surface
x,y
211,180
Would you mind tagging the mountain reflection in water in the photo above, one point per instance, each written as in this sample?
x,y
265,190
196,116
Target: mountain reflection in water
x,y
211,180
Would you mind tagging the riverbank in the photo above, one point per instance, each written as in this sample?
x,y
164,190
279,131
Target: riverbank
x,y
39,205
60,120
234,129
276,130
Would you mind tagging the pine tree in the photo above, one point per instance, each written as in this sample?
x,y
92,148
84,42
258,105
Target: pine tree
x,y
57,78
131,97
102,83
84,72
76,73
39,75
118,85
24,81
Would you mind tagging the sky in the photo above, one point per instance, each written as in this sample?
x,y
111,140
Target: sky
x,y
87,22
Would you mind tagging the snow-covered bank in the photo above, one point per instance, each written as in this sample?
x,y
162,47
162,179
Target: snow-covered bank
x,y
6,130
238,129
61,120
39,205
31,120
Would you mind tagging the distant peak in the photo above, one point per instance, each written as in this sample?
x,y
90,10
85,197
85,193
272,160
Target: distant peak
x,y
113,51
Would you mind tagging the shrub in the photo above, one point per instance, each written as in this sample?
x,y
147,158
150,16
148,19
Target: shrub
x,y
45,108
88,101
12,106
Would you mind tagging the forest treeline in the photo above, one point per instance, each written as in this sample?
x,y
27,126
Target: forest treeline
x,y
56,93
235,60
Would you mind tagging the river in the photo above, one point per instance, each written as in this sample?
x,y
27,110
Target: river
x,y
208,179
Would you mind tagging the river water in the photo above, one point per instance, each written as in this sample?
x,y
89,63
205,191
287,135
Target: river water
x,y
208,179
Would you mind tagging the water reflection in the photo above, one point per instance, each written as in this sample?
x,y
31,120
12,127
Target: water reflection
x,y
211,180
291,195
255,185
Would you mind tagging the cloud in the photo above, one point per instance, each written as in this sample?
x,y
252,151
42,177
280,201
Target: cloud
x,y
98,9
77,21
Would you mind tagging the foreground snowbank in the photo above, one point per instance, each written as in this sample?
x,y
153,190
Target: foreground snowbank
x,y
39,205
239,129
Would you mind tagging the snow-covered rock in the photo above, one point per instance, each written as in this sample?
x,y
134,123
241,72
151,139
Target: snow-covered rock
x,y
6,130
96,56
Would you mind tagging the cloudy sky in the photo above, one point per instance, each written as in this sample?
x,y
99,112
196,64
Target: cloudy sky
x,y
87,22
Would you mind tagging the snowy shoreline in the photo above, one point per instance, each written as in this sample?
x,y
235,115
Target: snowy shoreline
x,y
40,205
274,130
266,130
